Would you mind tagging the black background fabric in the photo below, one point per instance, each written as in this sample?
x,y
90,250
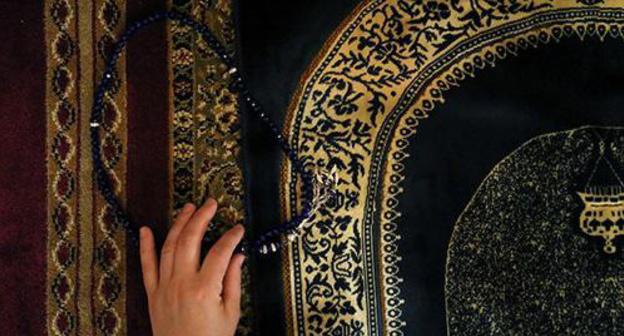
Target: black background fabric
x,y
278,40
556,87
552,88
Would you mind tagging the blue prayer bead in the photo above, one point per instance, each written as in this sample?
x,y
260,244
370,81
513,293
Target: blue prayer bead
x,y
237,84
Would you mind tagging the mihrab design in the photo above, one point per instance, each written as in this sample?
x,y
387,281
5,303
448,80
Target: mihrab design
x,y
381,75
518,263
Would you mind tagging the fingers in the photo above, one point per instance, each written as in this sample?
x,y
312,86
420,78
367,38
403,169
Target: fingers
x,y
218,258
169,247
149,264
232,285
189,243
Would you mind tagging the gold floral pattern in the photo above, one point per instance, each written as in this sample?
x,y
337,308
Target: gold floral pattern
x,y
86,268
205,131
380,76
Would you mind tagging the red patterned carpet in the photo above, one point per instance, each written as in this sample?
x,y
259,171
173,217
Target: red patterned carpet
x,y
67,267
412,104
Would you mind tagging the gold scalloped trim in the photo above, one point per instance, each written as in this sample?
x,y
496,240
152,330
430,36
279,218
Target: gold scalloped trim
x,y
407,127
390,172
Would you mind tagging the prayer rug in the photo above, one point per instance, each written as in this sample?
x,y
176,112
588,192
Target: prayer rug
x,y
414,103
472,197
170,135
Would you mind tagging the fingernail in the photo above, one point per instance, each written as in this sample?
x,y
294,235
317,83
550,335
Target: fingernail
x,y
187,207
143,232
240,227
242,261
211,201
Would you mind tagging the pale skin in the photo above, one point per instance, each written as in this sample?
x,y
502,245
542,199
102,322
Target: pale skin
x,y
186,295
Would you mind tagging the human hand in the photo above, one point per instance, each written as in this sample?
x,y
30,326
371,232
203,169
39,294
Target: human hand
x,y
184,297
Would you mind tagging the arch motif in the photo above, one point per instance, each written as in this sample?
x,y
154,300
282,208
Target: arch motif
x,y
382,73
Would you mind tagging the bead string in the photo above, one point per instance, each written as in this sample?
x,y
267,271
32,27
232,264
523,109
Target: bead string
x,y
313,186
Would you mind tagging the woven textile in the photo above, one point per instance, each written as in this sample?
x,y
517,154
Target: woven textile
x,y
169,136
413,104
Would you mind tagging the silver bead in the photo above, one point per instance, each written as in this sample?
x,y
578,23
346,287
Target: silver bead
x,y
273,247
108,75
264,249
94,124
230,72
